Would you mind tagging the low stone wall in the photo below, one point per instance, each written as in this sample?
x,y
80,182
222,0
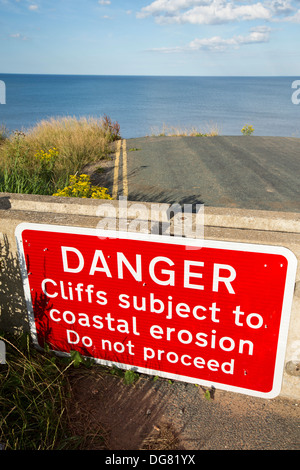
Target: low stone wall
x,y
236,225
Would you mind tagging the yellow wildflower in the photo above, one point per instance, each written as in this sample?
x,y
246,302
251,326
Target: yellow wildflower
x,y
48,156
80,186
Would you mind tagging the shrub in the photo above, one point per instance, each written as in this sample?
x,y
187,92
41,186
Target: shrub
x,y
247,130
112,129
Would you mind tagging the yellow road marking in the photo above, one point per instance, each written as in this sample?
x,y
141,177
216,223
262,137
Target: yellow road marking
x,y
116,171
125,181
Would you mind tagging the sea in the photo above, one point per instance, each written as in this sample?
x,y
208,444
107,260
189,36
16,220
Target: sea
x,y
146,105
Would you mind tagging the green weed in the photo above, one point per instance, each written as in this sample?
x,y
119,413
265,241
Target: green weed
x,y
247,130
130,377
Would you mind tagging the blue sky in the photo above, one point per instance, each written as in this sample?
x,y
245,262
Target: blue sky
x,y
144,37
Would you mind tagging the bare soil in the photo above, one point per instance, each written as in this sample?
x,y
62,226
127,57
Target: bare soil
x,y
157,414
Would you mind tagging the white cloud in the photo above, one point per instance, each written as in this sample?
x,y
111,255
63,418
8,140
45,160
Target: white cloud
x,y
225,13
169,7
294,18
219,44
104,2
218,11
18,36
33,7
281,7
256,35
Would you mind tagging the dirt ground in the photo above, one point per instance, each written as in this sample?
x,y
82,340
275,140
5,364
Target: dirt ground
x,y
159,414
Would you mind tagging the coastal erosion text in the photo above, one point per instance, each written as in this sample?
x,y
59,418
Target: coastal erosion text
x,y
193,310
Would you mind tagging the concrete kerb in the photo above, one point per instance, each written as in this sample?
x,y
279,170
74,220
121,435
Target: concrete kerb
x,y
288,222
248,226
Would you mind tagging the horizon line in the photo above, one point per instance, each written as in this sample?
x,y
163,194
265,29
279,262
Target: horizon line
x,y
145,75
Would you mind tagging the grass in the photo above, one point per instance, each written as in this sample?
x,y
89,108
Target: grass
x,y
173,131
36,406
35,398
42,160
3,134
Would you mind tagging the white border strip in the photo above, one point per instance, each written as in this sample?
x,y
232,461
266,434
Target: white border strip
x,y
199,243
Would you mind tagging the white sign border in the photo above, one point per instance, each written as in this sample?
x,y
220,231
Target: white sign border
x,y
224,245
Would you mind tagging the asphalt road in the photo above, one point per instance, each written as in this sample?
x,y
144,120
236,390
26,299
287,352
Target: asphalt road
x,y
242,172
224,171
175,415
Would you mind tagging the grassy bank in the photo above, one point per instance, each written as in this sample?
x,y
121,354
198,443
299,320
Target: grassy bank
x,y
42,160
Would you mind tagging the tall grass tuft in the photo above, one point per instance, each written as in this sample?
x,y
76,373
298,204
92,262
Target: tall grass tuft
x,y
33,399
174,131
3,134
40,161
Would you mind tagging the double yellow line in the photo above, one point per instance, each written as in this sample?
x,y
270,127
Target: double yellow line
x,y
121,153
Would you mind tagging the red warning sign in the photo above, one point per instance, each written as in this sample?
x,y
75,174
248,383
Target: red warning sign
x,y
208,312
